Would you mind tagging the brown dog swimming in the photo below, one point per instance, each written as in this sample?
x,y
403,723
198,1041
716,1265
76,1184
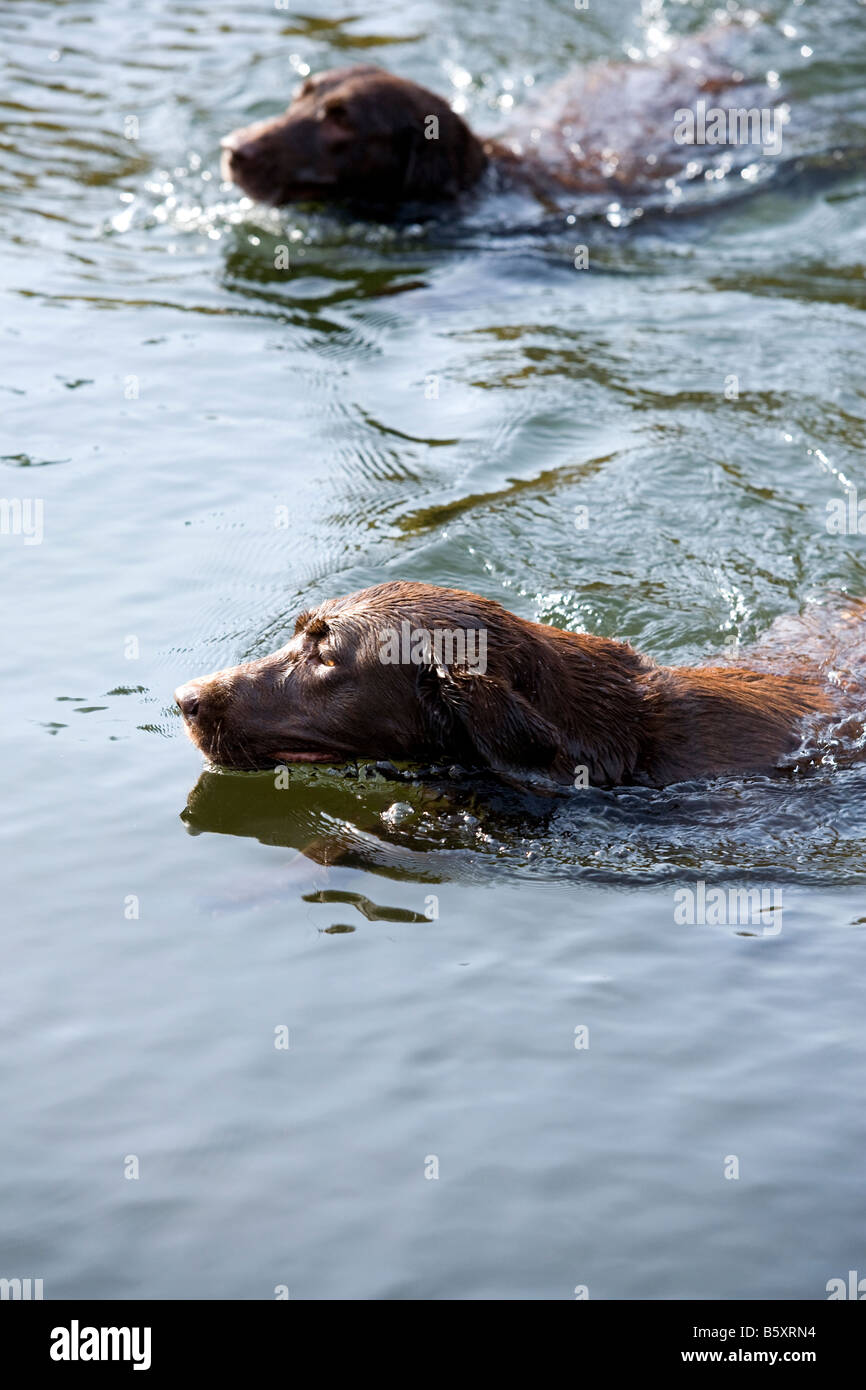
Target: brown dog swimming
x,y
367,137
413,672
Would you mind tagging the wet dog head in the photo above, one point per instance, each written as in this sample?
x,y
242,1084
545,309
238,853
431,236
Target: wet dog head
x,y
356,134
399,671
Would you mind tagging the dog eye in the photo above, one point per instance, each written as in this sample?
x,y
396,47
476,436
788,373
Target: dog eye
x,y
326,660
338,113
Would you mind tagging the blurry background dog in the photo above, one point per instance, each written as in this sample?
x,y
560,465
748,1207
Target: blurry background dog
x,y
367,137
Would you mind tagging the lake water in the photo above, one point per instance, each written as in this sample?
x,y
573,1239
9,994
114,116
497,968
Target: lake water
x,y
513,1069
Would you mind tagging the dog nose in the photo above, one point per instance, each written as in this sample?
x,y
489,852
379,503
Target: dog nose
x,y
188,698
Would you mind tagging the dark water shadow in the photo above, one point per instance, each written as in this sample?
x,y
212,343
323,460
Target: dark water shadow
x,y
803,827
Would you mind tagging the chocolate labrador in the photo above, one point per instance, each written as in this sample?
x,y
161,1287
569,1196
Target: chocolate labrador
x,y
367,137
426,674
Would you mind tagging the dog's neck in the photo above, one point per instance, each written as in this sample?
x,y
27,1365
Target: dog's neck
x,y
524,171
632,721
519,171
708,721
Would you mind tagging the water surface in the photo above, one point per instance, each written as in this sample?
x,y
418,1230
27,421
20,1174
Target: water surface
x,y
438,402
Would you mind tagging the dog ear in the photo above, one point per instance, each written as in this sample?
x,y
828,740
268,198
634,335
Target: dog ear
x,y
440,167
427,172
483,720
489,723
